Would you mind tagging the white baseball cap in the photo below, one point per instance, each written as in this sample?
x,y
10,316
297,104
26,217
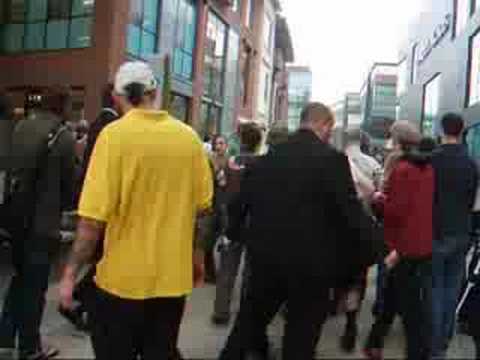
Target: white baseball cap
x,y
134,72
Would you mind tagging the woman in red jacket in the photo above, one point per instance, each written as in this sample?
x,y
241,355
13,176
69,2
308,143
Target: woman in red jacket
x,y
407,204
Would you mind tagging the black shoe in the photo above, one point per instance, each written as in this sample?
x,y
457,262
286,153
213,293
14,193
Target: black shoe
x,y
348,341
75,317
45,353
220,320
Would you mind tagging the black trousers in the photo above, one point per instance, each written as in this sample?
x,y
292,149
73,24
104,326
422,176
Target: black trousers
x,y
414,291
127,329
25,299
386,314
268,288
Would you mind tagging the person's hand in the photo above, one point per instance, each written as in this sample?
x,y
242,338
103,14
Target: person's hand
x,y
392,260
67,285
378,197
198,268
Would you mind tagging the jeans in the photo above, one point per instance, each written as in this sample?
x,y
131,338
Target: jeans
x,y
447,279
25,300
414,291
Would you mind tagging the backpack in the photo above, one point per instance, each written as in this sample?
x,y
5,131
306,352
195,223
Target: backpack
x,y
28,158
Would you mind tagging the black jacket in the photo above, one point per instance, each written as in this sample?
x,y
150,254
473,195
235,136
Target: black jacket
x,y
455,189
105,117
55,175
303,212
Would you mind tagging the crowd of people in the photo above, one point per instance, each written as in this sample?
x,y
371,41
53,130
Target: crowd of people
x,y
159,213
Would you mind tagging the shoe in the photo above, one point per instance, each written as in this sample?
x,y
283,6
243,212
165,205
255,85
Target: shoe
x,y
220,320
348,341
373,354
45,353
75,317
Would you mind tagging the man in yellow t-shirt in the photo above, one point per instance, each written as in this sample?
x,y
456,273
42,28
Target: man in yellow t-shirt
x,y
148,187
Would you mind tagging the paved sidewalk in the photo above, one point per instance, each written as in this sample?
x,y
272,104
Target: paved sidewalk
x,y
200,340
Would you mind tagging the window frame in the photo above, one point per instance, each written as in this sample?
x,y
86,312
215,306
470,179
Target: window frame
x,y
207,93
43,22
139,24
470,62
469,6
183,50
413,73
435,77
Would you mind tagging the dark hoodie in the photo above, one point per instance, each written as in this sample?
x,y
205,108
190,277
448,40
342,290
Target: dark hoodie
x,y
408,206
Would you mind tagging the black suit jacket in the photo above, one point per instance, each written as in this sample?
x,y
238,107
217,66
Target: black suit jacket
x,y
298,209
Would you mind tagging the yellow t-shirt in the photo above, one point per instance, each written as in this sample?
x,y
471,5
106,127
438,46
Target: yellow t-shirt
x,y
147,179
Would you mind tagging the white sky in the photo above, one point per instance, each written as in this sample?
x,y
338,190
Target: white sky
x,y
340,39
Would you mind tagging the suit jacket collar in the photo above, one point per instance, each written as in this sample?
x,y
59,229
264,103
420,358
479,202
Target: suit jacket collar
x,y
307,136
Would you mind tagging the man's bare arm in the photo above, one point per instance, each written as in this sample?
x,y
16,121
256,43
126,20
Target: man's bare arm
x,y
89,232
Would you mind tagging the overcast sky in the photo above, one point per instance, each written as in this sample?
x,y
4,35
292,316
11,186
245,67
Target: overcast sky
x,y
340,39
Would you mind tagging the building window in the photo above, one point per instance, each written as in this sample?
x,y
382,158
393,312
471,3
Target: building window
x,y
402,78
231,91
267,33
431,97
215,54
179,107
185,25
29,25
142,31
413,78
462,13
474,70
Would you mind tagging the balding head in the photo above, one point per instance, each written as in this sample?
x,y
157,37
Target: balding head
x,y
318,118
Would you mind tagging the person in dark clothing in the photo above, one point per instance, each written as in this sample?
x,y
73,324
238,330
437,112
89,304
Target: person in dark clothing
x,y
455,183
107,115
231,254
34,246
306,233
6,128
408,230
386,285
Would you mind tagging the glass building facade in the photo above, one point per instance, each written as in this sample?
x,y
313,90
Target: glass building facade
x,y
299,94
33,25
142,34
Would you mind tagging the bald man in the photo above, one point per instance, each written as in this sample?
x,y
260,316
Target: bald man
x,y
306,233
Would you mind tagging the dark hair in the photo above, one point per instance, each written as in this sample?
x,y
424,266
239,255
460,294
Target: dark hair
x,y
215,139
277,135
135,93
427,144
107,97
452,124
57,100
5,106
321,109
250,136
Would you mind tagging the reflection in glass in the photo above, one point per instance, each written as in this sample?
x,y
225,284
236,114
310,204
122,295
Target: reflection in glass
x,y
80,30
431,105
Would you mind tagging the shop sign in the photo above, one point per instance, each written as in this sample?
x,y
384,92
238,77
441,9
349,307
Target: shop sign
x,y
439,33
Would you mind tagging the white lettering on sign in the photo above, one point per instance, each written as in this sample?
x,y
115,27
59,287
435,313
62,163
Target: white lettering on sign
x,y
438,34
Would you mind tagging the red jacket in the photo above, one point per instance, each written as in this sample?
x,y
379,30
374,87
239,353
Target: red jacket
x,y
408,207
